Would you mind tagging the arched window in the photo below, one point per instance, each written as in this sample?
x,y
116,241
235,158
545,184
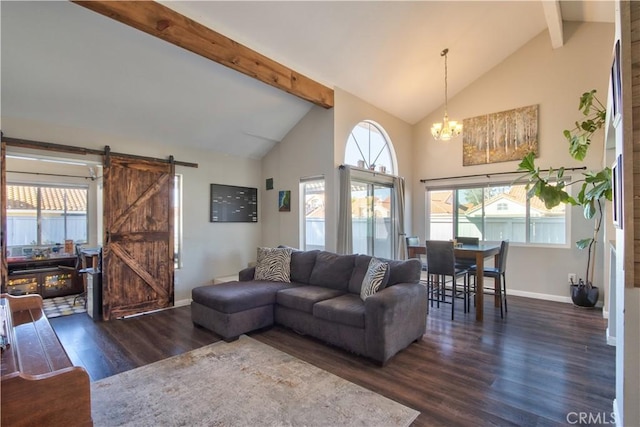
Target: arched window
x,y
368,147
371,200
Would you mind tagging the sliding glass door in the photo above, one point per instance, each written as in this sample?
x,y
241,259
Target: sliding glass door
x,y
372,218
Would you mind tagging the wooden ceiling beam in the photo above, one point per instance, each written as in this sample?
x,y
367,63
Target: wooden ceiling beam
x,y
169,25
553,15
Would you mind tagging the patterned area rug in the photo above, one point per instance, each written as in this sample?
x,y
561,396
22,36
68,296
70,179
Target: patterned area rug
x,y
243,383
63,306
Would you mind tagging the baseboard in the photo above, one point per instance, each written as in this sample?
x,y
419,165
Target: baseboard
x,y
179,303
546,297
535,295
616,413
611,340
225,279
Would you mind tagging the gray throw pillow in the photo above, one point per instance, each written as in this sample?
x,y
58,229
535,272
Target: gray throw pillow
x,y
374,278
273,264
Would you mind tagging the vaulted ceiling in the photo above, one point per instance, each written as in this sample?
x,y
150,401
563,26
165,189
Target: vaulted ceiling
x,y
64,64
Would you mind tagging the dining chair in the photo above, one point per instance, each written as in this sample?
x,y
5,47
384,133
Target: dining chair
x,y
412,240
440,265
468,240
497,273
415,241
466,262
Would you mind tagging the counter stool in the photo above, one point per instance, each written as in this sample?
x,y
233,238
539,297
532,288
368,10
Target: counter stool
x,y
497,273
441,262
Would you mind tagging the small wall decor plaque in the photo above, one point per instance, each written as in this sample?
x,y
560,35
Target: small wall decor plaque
x,y
500,137
269,183
284,201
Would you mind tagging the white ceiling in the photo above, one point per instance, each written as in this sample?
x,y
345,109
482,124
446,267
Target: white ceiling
x,y
64,64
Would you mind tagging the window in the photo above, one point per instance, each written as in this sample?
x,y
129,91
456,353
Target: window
x,y
177,221
440,214
493,213
373,213
313,212
368,147
39,215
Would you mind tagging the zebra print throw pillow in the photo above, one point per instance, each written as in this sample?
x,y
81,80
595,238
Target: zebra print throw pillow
x,y
274,264
374,278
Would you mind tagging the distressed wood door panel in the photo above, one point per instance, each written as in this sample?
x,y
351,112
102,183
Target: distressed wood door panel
x,y
137,263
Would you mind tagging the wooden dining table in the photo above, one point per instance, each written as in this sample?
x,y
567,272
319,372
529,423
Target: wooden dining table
x,y
477,252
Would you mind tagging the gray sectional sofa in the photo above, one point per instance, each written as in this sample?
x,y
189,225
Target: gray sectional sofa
x,y
323,300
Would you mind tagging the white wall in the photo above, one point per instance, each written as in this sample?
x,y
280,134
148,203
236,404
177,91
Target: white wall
x,y
350,111
626,310
536,74
315,146
209,250
306,151
553,79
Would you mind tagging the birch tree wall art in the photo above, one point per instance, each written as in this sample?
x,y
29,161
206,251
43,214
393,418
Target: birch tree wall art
x,y
500,137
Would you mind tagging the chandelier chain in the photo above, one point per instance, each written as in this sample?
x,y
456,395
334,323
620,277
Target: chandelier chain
x,y
446,92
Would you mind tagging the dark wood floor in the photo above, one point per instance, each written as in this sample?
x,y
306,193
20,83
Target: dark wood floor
x,y
544,361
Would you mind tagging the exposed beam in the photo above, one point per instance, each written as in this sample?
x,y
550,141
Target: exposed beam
x,y
169,25
553,15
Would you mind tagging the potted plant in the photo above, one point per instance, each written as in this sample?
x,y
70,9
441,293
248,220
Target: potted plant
x,y
550,187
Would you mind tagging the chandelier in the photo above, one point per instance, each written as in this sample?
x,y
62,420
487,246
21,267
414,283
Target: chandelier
x,y
447,129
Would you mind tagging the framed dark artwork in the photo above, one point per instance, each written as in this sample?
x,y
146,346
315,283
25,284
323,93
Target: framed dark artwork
x,y
230,203
500,137
269,183
616,86
616,190
284,201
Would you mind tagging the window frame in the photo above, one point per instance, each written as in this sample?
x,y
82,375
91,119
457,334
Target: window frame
x,y
371,181
392,168
303,213
38,210
491,183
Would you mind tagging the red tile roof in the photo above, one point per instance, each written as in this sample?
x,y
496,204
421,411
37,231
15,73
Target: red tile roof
x,y
26,197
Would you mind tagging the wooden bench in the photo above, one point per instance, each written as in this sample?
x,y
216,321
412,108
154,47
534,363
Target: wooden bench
x,y
39,384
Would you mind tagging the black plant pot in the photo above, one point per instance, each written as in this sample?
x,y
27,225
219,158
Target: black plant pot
x,y
583,296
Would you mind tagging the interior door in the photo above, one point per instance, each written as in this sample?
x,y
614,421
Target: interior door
x,y
137,265
3,216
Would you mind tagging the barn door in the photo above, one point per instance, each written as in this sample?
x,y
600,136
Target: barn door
x,y
3,216
137,265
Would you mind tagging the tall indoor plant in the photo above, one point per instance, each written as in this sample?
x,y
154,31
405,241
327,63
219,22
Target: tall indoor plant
x,y
550,187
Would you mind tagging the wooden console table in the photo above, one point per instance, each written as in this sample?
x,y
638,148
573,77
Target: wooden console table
x,y
48,277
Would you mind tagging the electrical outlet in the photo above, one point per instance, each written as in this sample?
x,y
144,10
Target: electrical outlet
x,y
572,278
